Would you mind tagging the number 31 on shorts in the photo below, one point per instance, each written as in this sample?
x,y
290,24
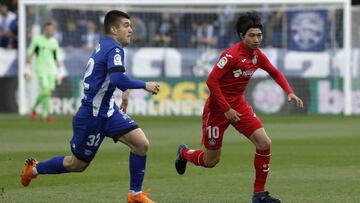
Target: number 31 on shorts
x,y
213,132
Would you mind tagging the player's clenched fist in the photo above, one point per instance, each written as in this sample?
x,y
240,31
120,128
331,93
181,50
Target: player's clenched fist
x,y
153,87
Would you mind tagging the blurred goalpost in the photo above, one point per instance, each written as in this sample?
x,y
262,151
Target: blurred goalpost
x,y
23,101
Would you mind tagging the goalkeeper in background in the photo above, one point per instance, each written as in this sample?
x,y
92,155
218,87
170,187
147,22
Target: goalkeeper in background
x,y
46,50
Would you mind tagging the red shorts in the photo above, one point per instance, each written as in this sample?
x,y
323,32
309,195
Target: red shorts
x,y
215,123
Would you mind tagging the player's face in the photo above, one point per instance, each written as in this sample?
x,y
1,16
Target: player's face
x,y
49,30
123,31
252,38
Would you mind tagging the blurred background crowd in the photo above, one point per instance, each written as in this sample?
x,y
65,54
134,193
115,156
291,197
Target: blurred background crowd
x,y
83,28
8,24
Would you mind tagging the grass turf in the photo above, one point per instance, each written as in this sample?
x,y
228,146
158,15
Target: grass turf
x,y
314,159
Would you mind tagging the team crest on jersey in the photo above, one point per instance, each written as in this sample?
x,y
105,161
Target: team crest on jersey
x,y
254,59
222,62
117,60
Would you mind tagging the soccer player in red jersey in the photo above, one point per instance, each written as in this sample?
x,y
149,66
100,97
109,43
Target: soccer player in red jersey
x,y
226,105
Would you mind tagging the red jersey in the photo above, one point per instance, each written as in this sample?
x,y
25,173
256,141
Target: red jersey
x,y
232,72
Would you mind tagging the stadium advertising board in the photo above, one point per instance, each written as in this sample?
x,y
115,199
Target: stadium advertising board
x,y
186,97
315,76
193,62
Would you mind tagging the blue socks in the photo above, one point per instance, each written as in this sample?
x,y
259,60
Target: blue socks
x,y
51,166
137,165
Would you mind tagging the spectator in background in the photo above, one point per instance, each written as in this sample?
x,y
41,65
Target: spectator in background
x,y
224,24
206,35
139,32
30,22
12,4
58,35
187,28
71,36
165,33
193,34
273,29
356,29
91,37
338,22
6,17
12,42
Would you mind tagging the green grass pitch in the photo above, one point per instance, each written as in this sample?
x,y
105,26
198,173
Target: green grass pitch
x,y
315,159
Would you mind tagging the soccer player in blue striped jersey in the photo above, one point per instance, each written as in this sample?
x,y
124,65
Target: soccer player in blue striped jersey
x,y
99,117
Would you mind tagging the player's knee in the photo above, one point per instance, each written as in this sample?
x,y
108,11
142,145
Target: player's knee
x,y
142,149
74,165
77,168
265,144
211,163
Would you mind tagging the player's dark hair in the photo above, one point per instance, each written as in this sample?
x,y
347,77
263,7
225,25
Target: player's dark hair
x,y
111,19
248,20
47,24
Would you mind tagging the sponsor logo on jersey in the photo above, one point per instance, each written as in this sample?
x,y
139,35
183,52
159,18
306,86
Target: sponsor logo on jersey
x,y
117,50
254,59
87,152
222,62
243,60
239,72
117,60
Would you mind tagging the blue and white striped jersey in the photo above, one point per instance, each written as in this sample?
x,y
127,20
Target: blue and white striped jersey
x,y
98,90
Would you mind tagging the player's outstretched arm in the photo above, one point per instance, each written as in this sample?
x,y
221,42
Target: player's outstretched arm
x,y
124,82
296,99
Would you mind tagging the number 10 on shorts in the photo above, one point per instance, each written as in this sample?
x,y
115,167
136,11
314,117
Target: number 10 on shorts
x,y
213,132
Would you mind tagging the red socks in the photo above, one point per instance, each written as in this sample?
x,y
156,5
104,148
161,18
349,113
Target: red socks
x,y
262,168
261,164
194,156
